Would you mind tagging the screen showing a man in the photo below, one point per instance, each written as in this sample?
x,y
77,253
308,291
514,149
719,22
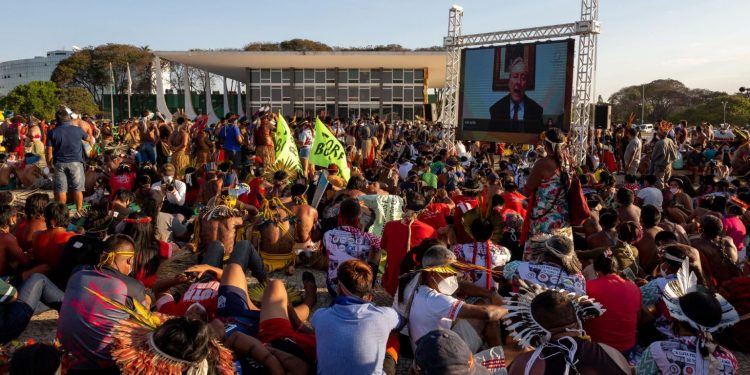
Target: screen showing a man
x,y
516,112
512,93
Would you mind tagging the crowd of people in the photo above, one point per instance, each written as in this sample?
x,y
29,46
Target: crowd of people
x,y
165,245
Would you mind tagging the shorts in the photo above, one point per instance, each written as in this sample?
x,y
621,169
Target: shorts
x,y
69,177
304,153
233,309
273,330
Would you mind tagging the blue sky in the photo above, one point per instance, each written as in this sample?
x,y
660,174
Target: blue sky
x,y
703,43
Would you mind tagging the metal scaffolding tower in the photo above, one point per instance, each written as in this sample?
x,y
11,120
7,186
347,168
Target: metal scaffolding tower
x,y
586,30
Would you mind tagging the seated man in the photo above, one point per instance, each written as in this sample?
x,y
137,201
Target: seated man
x,y
86,321
444,352
353,331
47,246
34,220
10,251
35,295
549,321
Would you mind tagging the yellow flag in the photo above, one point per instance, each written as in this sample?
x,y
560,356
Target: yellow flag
x,y
326,149
286,150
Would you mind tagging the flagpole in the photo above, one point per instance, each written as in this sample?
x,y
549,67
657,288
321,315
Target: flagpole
x,y
112,92
129,90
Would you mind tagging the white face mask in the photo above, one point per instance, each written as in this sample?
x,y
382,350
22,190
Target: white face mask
x,y
674,190
448,285
168,179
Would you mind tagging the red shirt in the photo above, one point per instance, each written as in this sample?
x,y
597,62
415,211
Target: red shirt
x,y
608,159
463,205
204,293
514,202
122,181
622,300
435,215
255,195
47,247
396,243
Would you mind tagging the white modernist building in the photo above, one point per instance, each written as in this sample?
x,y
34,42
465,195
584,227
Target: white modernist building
x,y
19,72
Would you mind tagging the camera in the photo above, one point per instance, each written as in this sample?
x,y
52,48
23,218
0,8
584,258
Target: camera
x,y
170,188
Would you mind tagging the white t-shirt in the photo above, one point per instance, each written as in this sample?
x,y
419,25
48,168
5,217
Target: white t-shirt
x,y
403,170
430,310
652,196
344,243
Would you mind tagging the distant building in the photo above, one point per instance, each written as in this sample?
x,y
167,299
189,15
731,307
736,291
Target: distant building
x,y
342,84
19,72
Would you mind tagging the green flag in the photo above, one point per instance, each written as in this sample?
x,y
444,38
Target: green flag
x,y
326,150
286,150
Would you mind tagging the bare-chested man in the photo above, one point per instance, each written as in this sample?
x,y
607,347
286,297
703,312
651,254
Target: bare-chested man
x,y
264,142
178,142
719,255
647,249
275,225
7,174
203,147
607,237
307,216
31,175
88,128
219,222
10,251
627,211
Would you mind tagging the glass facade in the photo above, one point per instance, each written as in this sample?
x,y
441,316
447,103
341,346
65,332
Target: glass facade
x,y
20,72
345,93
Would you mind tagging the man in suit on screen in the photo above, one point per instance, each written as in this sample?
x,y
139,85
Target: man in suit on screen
x,y
516,112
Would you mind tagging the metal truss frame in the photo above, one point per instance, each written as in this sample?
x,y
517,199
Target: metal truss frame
x,y
586,30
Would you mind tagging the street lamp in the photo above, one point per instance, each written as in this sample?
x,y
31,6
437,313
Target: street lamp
x,y
725,112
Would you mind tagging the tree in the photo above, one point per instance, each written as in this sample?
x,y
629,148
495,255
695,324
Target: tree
x,y
89,69
738,111
79,100
665,99
296,44
38,98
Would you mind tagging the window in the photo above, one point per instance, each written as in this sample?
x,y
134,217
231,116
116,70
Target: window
x,y
254,94
320,94
309,76
342,76
418,94
398,93
286,109
387,76
309,93
343,112
408,76
364,94
298,94
330,94
276,94
330,75
286,76
364,76
286,93
387,94
276,76
419,76
265,93
353,75
375,75
409,112
320,76
343,94
265,76
398,76
299,76
408,94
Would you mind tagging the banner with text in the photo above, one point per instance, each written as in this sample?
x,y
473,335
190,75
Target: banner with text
x,y
286,150
326,150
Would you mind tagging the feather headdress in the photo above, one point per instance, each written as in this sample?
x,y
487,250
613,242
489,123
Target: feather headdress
x,y
526,329
686,283
529,333
136,353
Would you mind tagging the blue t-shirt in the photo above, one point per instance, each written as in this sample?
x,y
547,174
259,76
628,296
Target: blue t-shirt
x,y
229,134
351,338
65,141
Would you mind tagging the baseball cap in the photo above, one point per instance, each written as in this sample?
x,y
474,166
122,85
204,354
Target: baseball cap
x,y
445,352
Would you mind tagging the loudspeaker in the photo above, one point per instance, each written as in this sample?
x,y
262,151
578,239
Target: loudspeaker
x,y
602,116
430,112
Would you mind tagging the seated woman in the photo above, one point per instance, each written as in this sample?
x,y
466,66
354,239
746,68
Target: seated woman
x,y
149,250
696,314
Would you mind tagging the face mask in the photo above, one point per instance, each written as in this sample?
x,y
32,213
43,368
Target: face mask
x,y
168,179
674,190
448,285
661,271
